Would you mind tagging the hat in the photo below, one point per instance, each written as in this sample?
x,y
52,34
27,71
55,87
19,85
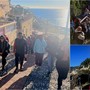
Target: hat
x,y
79,29
40,33
1,37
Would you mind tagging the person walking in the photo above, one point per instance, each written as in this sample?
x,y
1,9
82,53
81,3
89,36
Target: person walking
x,y
62,63
20,50
39,49
33,38
28,44
51,49
4,50
79,36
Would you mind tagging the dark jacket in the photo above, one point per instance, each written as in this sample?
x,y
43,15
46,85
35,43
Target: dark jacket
x,y
62,66
4,47
20,46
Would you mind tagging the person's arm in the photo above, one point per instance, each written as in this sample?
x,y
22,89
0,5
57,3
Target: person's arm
x,y
14,47
8,47
45,44
26,47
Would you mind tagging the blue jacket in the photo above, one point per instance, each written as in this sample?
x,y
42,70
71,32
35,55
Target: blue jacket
x,y
39,46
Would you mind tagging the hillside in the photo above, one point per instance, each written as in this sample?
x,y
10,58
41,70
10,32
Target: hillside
x,y
77,6
86,62
81,72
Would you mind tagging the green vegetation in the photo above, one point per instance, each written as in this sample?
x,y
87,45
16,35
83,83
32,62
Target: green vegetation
x,y
77,7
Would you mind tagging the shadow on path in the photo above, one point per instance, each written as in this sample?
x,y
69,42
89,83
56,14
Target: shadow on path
x,y
18,85
5,79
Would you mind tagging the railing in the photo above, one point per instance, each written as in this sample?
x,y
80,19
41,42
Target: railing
x,y
9,29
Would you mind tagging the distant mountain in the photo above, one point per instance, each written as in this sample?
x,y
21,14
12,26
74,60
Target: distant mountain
x,y
86,62
73,68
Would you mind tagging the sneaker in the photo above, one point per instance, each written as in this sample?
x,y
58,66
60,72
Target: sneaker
x,y
2,73
21,69
16,71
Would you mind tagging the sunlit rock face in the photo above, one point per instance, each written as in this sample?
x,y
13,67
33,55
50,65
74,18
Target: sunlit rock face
x,y
66,83
4,7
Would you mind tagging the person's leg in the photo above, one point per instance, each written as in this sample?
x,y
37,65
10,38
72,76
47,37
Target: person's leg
x,y
52,62
40,59
49,62
59,81
62,75
21,61
59,76
3,61
36,58
16,62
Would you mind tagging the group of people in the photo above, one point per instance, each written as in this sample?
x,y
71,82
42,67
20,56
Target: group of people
x,y
38,45
80,27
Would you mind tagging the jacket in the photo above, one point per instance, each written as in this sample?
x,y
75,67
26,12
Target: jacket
x,y
20,46
4,47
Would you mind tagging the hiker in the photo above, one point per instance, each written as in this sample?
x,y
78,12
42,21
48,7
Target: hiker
x,y
39,49
24,36
7,39
51,49
33,38
79,36
79,83
20,50
4,50
28,44
86,12
76,22
62,63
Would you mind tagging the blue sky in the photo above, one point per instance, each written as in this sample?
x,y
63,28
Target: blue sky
x,y
79,54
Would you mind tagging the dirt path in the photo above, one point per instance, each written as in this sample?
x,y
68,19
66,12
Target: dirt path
x,y
13,81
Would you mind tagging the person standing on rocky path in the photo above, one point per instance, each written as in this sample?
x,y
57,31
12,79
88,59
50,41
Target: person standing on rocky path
x,y
39,49
4,50
62,63
20,50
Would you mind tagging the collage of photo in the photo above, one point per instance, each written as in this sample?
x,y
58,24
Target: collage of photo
x,y
44,44
80,45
